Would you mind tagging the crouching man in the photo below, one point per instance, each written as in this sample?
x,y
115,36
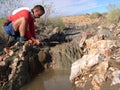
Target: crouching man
x,y
20,24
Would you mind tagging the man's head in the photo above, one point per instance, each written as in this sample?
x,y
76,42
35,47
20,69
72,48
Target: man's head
x,y
38,11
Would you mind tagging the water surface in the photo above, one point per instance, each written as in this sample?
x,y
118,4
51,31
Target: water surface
x,y
59,80
50,80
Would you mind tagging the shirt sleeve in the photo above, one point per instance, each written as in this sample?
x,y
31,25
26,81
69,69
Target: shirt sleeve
x,y
30,32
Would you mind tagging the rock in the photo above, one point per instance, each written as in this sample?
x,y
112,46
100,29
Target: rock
x,y
19,67
112,27
84,64
65,54
105,34
96,65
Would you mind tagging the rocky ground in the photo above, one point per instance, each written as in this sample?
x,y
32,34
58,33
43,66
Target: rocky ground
x,y
23,61
91,51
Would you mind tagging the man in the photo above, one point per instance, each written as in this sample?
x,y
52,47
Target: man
x,y
20,24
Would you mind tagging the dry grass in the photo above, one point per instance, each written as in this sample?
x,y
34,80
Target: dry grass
x,y
79,20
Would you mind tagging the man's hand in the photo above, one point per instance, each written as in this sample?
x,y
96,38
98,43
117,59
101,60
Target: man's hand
x,y
36,41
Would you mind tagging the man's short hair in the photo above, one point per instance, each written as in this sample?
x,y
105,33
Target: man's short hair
x,y
40,7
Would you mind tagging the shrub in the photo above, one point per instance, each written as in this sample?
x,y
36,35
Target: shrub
x,y
114,16
95,15
51,23
1,23
2,34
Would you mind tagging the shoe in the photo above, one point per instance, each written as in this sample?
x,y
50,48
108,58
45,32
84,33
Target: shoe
x,y
22,39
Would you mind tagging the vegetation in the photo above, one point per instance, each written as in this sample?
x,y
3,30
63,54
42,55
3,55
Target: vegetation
x,y
95,15
1,23
114,16
48,10
3,36
7,6
51,23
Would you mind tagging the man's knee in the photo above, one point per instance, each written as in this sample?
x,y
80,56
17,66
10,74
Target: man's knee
x,y
19,22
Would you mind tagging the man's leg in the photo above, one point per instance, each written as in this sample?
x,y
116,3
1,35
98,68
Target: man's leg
x,y
21,26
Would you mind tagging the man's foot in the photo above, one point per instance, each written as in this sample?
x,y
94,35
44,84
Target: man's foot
x,y
22,39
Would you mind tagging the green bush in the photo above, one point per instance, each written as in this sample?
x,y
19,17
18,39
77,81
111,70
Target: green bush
x,y
51,23
2,33
95,15
1,23
114,16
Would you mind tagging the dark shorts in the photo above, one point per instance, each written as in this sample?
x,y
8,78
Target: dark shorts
x,y
9,29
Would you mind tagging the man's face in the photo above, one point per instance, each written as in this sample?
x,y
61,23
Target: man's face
x,y
37,13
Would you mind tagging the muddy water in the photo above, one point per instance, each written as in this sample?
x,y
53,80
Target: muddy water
x,y
50,80
59,80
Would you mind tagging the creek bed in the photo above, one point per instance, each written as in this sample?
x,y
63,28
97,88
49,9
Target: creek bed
x,y
51,80
59,80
